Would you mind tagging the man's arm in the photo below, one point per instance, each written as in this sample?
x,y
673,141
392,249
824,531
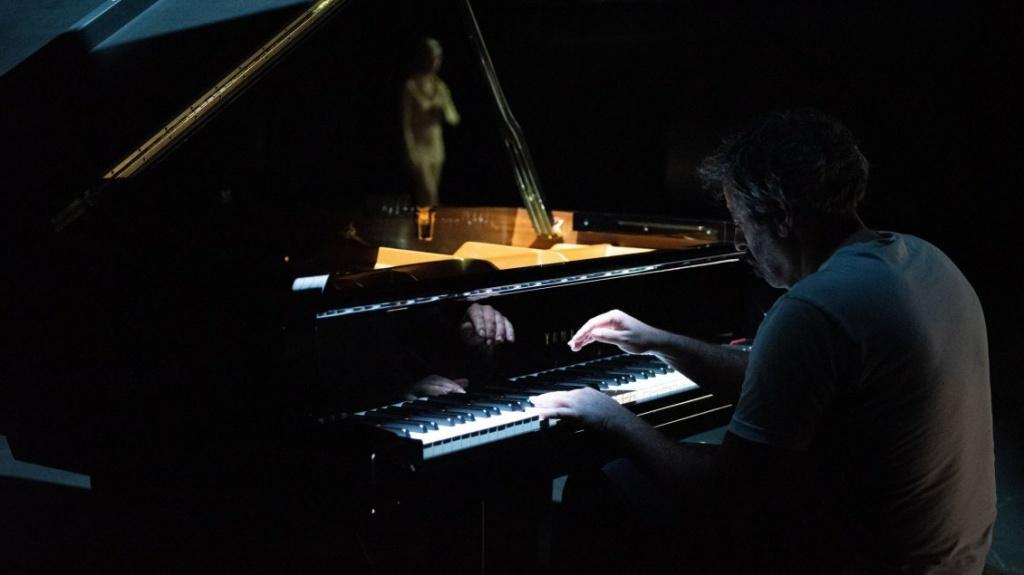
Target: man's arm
x,y
717,368
740,470
665,460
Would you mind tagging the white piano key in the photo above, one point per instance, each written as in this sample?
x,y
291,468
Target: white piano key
x,y
479,432
656,387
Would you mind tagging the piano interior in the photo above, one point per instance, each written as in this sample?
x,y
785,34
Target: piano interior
x,y
516,246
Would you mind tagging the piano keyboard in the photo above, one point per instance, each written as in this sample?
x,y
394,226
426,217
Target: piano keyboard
x,y
456,422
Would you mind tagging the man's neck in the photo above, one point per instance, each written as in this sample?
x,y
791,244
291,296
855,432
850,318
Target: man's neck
x,y
822,239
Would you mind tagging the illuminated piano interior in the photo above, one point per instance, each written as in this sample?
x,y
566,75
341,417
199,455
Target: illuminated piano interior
x,y
520,250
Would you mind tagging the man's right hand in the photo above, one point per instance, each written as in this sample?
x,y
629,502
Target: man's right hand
x,y
621,329
588,406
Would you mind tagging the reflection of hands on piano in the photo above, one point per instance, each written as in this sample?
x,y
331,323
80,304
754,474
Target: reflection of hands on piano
x,y
586,405
481,328
618,328
484,326
435,385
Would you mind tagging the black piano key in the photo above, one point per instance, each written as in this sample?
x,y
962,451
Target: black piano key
x,y
637,371
620,363
532,391
596,373
587,371
498,389
412,424
509,391
503,402
465,405
571,385
609,370
645,362
524,393
649,360
594,382
396,428
628,374
549,386
513,393
422,414
497,404
440,411
464,414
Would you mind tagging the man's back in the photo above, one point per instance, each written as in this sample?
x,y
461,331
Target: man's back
x,y
877,366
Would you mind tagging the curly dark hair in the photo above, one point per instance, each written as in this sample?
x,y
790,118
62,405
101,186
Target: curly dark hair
x,y
801,163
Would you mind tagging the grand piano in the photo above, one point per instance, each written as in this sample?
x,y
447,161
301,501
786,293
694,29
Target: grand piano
x,y
224,299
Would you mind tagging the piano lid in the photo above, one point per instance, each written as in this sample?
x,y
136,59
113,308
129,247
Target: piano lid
x,y
426,106
342,109
322,135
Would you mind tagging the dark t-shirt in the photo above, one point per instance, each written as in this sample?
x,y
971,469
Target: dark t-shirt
x,y
876,366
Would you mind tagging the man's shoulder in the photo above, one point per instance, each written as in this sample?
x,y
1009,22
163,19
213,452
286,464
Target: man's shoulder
x,y
857,277
859,270
882,282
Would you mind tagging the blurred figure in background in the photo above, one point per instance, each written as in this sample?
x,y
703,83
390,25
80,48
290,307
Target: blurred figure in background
x,y
426,105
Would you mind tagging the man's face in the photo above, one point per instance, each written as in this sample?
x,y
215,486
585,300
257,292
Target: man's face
x,y
765,249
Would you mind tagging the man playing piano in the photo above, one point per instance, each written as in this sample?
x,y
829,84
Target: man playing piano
x,y
862,435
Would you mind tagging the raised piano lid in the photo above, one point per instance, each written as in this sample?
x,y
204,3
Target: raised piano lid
x,y
302,138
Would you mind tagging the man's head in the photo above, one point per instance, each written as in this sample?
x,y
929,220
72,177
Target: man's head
x,y
785,178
